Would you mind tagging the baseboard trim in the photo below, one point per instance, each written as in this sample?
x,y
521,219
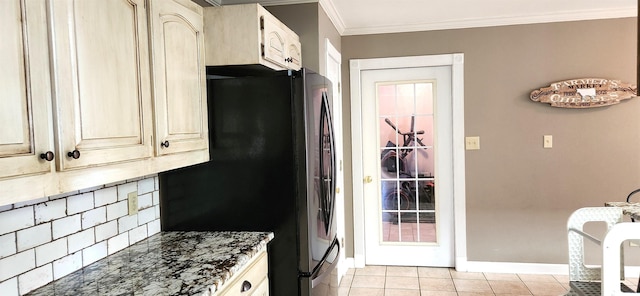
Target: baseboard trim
x,y
516,267
528,268
349,263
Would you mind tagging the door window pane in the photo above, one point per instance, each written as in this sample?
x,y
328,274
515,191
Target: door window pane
x,y
407,161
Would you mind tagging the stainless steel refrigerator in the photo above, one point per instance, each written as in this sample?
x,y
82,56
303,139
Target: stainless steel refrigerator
x,y
272,168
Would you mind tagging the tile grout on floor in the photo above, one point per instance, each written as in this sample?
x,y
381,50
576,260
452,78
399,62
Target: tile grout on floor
x,y
429,281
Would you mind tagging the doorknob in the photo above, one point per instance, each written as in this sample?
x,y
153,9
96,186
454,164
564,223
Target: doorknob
x,y
368,179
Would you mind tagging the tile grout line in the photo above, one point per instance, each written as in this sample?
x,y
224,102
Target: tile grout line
x,y
387,273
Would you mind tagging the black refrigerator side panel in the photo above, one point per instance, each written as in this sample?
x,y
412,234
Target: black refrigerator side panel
x,y
249,184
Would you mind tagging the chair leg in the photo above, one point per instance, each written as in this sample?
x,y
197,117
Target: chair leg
x,y
612,260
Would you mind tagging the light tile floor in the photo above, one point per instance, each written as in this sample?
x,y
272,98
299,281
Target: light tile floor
x,y
428,281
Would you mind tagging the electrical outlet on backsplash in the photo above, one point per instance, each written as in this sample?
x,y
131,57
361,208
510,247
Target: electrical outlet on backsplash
x,y
45,239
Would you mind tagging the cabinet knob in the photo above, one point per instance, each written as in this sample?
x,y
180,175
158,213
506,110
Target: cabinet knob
x,y
48,156
75,154
164,144
246,286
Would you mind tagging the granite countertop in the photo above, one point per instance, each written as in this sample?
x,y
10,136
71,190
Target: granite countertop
x,y
168,263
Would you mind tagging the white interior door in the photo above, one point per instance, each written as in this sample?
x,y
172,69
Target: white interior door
x,y
408,166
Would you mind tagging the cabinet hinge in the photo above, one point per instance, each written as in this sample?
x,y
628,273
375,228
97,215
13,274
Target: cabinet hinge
x,y
262,23
262,49
339,90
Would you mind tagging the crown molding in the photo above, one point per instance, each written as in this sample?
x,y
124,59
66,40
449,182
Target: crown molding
x,y
344,30
331,11
265,3
578,15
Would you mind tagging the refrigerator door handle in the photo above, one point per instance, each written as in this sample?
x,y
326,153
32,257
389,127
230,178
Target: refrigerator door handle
x,y
317,276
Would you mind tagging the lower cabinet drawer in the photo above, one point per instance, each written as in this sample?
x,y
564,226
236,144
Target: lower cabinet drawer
x,y
262,289
251,280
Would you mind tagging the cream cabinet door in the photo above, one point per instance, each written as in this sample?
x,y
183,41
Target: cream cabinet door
x,y
273,41
178,76
24,89
101,81
294,54
281,45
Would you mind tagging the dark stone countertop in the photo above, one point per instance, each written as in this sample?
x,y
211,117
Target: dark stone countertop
x,y
168,263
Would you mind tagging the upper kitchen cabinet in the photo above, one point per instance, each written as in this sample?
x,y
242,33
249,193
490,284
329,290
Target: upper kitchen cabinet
x,y
24,90
179,80
249,35
91,87
101,83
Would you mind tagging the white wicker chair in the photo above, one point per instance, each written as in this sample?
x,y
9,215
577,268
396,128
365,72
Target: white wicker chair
x,y
605,279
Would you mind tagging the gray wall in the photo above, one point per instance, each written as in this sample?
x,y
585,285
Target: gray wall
x,y
520,195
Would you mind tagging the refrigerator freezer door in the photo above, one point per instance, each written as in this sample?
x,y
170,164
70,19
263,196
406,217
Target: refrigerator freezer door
x,y
324,279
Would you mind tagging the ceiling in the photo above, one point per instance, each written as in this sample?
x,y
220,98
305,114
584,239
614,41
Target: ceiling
x,y
357,17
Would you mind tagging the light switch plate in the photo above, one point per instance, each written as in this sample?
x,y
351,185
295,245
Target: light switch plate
x,y
547,141
132,198
472,143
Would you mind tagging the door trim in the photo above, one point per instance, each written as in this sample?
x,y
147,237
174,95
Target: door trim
x,y
334,57
456,61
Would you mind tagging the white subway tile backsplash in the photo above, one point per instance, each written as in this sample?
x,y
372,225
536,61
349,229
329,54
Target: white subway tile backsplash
x,y
35,278
106,196
135,179
153,227
81,240
8,245
65,226
124,189
118,243
145,201
34,236
156,198
67,265
6,208
63,195
47,211
17,264
9,287
29,202
127,223
117,210
90,189
79,203
147,215
157,208
54,250
137,234
16,219
146,186
94,217
106,230
114,184
156,181
46,239
94,253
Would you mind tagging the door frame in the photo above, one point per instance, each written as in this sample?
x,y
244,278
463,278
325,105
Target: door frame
x,y
456,61
334,57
